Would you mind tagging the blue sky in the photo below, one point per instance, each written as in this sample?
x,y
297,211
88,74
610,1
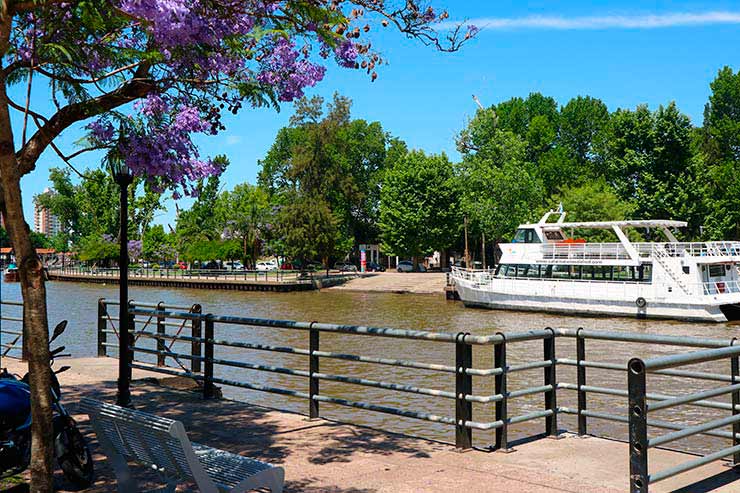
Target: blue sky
x,y
626,53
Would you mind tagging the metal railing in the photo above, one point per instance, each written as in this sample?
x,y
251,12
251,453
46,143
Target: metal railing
x,y
11,325
211,354
274,276
617,251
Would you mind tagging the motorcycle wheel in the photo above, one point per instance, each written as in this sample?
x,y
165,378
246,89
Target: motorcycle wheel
x,y
76,463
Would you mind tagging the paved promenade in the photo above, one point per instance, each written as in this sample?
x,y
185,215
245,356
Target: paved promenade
x,y
327,457
397,282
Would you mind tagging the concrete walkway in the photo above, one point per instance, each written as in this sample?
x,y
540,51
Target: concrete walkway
x,y
397,282
328,457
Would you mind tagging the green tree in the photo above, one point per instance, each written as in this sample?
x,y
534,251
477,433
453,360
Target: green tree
x,y
593,201
720,148
582,120
308,230
418,206
199,222
244,213
157,244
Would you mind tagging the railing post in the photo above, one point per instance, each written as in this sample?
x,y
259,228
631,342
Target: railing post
x,y
502,412
581,380
735,371
208,361
551,401
130,329
463,388
195,345
161,347
313,367
102,324
636,385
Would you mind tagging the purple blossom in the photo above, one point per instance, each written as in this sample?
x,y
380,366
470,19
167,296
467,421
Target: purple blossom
x,y
134,249
288,72
346,53
101,130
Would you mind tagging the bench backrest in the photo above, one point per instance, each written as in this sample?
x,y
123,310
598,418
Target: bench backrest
x,y
156,442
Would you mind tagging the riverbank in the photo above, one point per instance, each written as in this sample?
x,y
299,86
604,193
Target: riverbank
x,y
397,282
330,457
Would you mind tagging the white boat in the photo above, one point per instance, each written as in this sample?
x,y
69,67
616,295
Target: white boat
x,y
544,269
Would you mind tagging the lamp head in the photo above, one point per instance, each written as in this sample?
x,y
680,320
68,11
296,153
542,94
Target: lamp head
x,y
120,171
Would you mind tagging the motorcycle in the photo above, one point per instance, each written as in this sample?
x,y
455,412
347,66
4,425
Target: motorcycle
x,y
70,449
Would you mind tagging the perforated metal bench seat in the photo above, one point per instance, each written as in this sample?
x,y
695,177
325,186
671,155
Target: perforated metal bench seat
x,y
162,444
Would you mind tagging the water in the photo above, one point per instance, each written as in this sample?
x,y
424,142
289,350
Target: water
x,y
78,304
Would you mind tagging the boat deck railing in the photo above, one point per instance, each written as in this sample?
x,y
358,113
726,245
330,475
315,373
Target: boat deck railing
x,y
209,354
617,251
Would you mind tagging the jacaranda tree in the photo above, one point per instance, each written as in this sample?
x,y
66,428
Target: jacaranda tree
x,y
145,75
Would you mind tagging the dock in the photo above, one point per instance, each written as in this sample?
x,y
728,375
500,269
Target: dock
x,y
274,281
330,457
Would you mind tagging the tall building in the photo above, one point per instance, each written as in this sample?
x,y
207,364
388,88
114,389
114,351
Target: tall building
x,y
43,220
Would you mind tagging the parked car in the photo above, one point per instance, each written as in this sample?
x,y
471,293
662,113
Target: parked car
x,y
374,267
345,267
267,265
213,265
234,265
287,266
408,266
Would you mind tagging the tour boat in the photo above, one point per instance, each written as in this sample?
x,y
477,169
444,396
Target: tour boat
x,y
546,269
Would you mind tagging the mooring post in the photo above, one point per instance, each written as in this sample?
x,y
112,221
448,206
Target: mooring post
x,y
551,401
195,345
735,371
208,359
581,380
502,413
636,385
102,324
313,368
463,388
161,347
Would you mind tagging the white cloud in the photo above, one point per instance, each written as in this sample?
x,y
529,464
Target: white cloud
x,y
233,140
648,21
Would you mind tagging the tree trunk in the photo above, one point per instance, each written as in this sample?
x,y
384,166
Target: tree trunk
x,y
34,309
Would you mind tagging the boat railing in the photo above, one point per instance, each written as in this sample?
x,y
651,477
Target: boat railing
x,y
719,287
617,251
691,249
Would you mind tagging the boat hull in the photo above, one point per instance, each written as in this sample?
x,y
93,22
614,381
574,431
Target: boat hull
x,y
656,309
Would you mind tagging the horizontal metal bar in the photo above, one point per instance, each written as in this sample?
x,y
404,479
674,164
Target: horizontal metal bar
x,y
262,347
385,361
385,409
13,303
528,366
509,395
651,422
167,353
11,332
651,396
384,385
692,464
688,341
164,305
673,360
483,372
531,416
261,388
159,369
716,377
693,430
696,396
11,319
268,368
154,335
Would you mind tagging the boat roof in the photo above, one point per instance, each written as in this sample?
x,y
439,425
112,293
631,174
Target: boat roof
x,y
653,223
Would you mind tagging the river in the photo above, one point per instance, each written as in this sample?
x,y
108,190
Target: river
x,y
78,304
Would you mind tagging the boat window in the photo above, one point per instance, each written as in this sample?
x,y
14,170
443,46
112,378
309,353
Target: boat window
x,y
716,271
526,236
554,235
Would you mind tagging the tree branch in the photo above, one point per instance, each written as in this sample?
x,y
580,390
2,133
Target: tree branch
x,y
73,113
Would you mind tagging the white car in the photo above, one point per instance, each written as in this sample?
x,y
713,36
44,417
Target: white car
x,y
267,266
235,265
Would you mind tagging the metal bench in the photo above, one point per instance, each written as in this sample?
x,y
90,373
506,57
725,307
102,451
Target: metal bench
x,y
163,445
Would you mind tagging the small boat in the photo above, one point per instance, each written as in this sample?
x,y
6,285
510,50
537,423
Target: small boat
x,y
543,269
11,274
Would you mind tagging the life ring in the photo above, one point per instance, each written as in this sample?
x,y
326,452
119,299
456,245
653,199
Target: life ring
x,y
641,302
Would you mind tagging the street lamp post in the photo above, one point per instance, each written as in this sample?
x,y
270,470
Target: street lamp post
x,y
122,176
